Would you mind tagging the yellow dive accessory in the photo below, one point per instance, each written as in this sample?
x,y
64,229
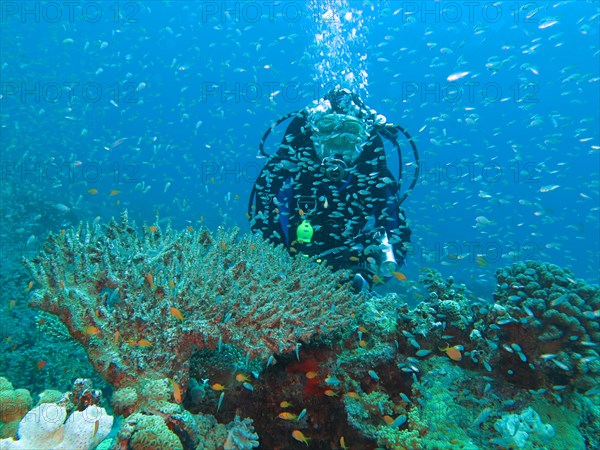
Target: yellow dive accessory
x,y
304,232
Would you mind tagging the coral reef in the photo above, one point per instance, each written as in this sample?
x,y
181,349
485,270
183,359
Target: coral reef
x,y
196,330
75,422
142,303
553,319
147,432
14,404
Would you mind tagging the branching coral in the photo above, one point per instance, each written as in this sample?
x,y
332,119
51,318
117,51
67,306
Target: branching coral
x,y
141,303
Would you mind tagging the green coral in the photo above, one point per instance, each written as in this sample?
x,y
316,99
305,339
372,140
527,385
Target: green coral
x,y
50,396
124,401
14,404
152,433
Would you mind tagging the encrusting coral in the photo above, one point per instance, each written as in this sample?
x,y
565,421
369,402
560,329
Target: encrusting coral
x,y
141,303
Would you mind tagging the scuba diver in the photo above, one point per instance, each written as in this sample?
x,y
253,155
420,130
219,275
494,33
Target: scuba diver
x,y
327,192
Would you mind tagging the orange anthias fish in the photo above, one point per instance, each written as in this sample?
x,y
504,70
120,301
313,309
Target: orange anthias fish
x,y
343,443
287,416
299,436
454,353
150,280
176,390
143,343
399,276
91,330
40,365
377,279
242,378
218,387
176,313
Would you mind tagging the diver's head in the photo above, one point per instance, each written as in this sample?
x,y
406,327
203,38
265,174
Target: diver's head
x,y
340,135
340,125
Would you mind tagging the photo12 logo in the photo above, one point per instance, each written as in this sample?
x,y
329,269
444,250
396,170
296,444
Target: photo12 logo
x,y
69,91
68,12
472,12
68,172
455,91
251,12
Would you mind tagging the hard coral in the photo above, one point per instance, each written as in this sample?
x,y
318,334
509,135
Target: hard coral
x,y
550,315
240,435
14,404
148,432
516,429
141,303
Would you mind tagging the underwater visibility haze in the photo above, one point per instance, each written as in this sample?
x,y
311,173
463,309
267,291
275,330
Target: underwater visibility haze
x,y
140,307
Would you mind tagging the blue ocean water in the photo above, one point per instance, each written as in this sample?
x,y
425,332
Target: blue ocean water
x,y
165,102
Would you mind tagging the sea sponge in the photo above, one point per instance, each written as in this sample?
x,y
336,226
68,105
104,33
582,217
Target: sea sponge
x,y
45,427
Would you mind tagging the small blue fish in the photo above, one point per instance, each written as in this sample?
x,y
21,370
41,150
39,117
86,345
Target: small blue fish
x,y
220,401
301,415
399,421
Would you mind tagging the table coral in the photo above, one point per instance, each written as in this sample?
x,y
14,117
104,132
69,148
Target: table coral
x,y
142,302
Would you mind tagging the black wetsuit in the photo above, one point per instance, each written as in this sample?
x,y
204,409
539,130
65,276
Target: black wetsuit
x,y
348,207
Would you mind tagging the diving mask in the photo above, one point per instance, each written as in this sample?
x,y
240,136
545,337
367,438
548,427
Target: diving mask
x,y
339,134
